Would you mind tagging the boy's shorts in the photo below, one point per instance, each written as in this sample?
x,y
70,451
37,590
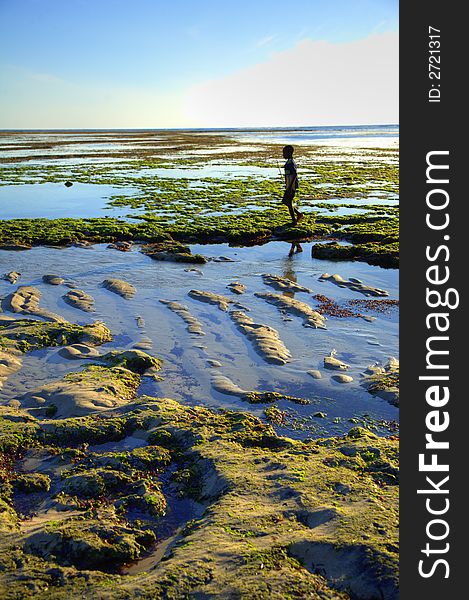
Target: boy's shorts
x,y
288,196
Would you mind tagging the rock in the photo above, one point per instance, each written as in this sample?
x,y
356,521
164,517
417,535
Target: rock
x,y
193,325
383,381
10,362
133,360
320,415
236,287
331,362
68,184
144,344
224,385
283,284
20,336
310,317
172,251
340,378
53,279
315,374
23,335
79,351
124,289
81,244
26,301
193,270
32,482
354,284
79,299
265,339
15,247
94,389
210,298
237,479
86,544
223,259
343,489
12,276
349,450
122,246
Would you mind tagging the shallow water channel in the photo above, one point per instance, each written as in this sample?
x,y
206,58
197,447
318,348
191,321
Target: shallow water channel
x,y
186,371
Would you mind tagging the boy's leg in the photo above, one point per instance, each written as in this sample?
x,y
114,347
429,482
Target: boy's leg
x,y
288,201
292,211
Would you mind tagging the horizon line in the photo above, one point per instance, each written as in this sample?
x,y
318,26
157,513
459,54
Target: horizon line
x,y
244,128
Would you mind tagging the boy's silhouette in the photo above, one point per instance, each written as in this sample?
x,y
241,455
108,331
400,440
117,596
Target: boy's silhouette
x,y
291,184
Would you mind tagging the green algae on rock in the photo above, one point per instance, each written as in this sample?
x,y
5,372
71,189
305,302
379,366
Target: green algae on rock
x,y
382,255
272,504
172,251
383,381
251,228
95,388
32,482
136,361
27,334
89,544
19,336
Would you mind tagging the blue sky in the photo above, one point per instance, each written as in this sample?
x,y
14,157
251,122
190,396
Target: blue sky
x,y
79,63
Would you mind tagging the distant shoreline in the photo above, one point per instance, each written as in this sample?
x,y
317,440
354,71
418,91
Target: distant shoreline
x,y
204,129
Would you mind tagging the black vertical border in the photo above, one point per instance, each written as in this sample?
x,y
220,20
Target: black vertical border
x,y
425,127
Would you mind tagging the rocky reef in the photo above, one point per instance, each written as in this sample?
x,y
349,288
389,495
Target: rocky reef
x,y
279,517
89,484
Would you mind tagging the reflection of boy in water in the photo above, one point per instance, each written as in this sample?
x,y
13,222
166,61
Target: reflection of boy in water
x,y
295,248
291,184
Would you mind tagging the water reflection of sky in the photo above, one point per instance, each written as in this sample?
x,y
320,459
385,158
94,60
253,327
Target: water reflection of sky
x,y
55,200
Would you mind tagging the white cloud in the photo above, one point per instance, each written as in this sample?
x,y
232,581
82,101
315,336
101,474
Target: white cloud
x,y
265,41
314,83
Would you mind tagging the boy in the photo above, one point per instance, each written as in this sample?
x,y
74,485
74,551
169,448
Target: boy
x,y
291,184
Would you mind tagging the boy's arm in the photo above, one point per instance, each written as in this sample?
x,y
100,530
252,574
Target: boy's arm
x,y
290,177
290,181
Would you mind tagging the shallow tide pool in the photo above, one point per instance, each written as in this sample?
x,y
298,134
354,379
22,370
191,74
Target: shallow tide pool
x,y
55,200
186,372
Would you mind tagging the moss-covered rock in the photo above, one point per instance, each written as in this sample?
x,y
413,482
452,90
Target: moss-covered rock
x,y
272,504
96,482
93,388
26,335
134,360
32,482
87,543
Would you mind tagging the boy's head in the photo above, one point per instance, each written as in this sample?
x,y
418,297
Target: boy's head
x,y
287,151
